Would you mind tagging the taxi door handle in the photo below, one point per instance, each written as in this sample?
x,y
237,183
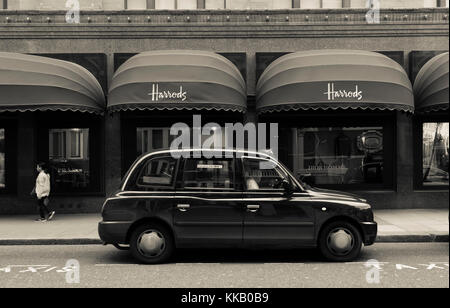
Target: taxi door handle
x,y
253,208
183,207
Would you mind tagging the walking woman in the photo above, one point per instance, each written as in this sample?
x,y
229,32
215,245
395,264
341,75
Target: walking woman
x,y
42,192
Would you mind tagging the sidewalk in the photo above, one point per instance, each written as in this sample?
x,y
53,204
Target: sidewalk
x,y
81,229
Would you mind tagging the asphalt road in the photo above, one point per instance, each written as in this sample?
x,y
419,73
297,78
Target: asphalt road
x,y
396,265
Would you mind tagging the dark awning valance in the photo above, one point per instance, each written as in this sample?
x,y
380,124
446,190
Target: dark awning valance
x,y
431,85
31,83
177,80
334,79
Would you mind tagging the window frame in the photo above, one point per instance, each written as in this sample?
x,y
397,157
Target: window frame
x,y
181,182
385,119
133,181
68,146
96,148
266,190
150,130
11,145
131,120
418,152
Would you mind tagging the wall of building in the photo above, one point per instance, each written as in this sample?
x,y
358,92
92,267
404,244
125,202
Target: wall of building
x,y
224,31
214,4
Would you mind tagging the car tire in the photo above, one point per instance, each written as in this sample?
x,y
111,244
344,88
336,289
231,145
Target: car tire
x,y
340,241
152,243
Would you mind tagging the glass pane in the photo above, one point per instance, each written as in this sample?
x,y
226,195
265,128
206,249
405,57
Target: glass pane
x,y
214,4
2,158
165,4
75,143
69,158
435,153
208,174
258,4
150,139
406,4
310,4
186,4
258,176
332,4
340,155
158,172
136,4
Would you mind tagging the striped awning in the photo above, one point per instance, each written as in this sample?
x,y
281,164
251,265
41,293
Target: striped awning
x,y
34,83
177,80
431,85
334,79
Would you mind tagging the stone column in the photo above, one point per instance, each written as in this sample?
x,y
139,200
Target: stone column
x,y
405,157
26,161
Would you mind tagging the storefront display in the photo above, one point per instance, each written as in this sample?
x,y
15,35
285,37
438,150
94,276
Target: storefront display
x,y
432,129
152,138
337,110
53,108
69,158
348,155
435,154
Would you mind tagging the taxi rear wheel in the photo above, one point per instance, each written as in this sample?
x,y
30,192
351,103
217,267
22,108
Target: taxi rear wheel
x,y
340,241
151,243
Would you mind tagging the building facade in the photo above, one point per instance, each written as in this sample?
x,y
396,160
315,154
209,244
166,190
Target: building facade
x,y
405,165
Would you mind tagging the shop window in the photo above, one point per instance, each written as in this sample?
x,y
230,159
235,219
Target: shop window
x,y
176,4
69,158
150,139
339,155
2,159
208,174
435,148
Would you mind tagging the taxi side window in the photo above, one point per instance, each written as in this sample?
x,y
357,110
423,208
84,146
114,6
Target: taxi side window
x,y
263,175
209,174
157,172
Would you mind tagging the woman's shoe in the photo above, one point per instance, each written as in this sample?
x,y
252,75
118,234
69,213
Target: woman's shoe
x,y
51,215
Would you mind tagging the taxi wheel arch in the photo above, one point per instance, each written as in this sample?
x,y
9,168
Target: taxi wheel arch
x,y
147,221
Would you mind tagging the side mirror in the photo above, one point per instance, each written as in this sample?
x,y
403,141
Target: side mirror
x,y
288,189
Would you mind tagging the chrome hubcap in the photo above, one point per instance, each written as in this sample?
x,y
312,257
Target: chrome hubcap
x,y
151,243
340,241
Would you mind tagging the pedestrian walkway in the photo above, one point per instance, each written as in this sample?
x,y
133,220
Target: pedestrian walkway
x,y
63,229
412,225
393,226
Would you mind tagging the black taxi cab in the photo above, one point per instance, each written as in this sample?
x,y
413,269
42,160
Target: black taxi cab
x,y
229,199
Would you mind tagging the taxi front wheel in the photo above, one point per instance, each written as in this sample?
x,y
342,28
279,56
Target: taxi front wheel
x,y
340,241
151,243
